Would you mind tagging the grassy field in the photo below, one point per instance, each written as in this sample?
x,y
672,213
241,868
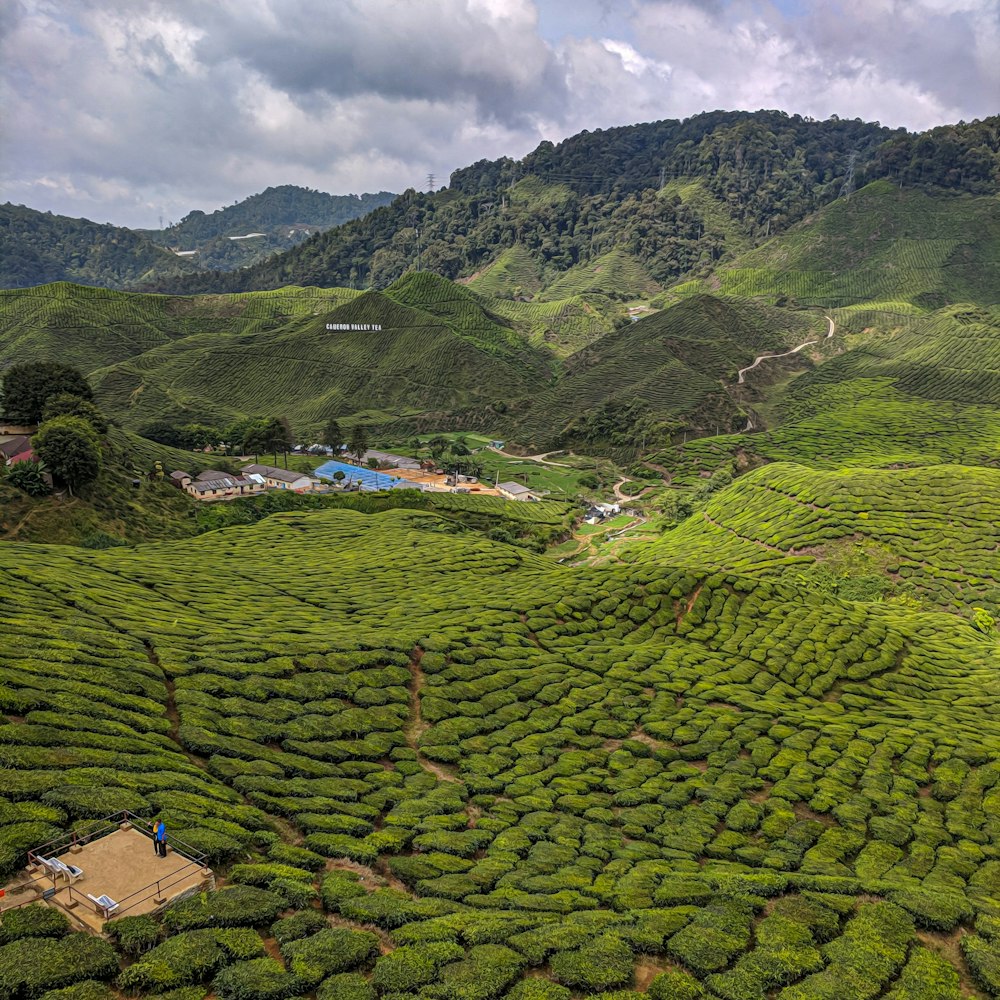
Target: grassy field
x,y
497,774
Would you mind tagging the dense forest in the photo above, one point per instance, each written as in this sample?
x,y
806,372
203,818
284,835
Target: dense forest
x,y
38,247
568,203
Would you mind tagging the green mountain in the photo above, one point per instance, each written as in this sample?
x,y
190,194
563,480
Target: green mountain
x,y
568,204
39,247
886,245
272,221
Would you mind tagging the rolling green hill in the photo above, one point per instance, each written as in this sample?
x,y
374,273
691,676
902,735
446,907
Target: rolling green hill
x,y
883,245
518,774
922,393
94,327
438,353
671,370
930,533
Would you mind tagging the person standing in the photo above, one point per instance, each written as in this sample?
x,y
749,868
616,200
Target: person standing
x,y
154,826
161,839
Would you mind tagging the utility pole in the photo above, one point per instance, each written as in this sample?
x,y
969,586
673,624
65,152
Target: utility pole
x,y
663,171
848,185
430,182
418,249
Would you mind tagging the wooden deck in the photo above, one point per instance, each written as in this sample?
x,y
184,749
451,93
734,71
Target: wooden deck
x,y
124,866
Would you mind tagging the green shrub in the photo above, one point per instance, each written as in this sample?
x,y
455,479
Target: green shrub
x,y
598,965
89,989
187,958
298,925
295,893
259,979
345,986
298,857
240,943
675,984
406,968
263,874
133,935
337,888
984,959
34,920
233,906
32,966
329,951
485,972
537,989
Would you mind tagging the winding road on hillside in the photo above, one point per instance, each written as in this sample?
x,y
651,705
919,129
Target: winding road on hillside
x,y
541,459
795,350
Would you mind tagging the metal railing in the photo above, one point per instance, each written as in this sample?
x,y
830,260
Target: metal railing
x,y
76,839
67,841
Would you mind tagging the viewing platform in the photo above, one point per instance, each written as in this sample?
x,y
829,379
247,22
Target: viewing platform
x,y
109,873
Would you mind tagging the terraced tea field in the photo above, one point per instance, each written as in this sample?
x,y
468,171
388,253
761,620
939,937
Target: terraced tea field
x,y
933,533
439,767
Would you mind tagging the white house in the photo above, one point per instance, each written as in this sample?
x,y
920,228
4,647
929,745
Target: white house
x,y
516,491
283,479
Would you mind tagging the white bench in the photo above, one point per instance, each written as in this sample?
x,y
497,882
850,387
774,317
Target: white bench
x,y
105,904
55,868
71,872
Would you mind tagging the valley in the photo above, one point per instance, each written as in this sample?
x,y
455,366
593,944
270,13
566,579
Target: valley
x,y
715,717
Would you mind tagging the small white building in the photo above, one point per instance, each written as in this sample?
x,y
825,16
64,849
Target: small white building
x,y
283,479
516,491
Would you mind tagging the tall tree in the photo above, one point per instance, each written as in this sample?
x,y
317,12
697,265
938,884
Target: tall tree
x,y
359,442
276,435
64,404
26,388
69,446
333,436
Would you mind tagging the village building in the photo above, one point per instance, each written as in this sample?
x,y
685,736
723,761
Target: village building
x,y
283,479
226,487
15,448
516,491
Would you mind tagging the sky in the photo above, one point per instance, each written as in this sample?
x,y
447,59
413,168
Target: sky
x,y
129,111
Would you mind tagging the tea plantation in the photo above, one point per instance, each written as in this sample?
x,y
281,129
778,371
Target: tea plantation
x,y
429,765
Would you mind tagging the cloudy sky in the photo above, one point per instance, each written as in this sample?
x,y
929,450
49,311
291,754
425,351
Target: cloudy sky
x,y
127,110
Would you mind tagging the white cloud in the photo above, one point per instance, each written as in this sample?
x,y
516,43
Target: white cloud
x,y
123,109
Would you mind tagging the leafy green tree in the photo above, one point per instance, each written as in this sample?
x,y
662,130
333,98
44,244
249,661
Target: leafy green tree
x,y
359,442
276,434
67,405
28,477
333,436
197,436
339,476
26,388
71,449
437,446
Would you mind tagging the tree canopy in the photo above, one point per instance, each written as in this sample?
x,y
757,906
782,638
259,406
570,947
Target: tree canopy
x,y
70,448
28,387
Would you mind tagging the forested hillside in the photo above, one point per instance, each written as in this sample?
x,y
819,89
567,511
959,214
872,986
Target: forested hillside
x,y
38,247
564,205
274,220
